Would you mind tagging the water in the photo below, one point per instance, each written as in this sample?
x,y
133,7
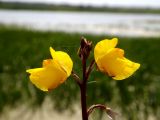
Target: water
x,y
85,22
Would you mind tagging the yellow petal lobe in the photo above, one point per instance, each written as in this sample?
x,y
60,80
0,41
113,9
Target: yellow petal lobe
x,y
116,65
48,77
103,46
63,59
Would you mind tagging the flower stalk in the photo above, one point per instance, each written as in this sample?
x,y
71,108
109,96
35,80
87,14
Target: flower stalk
x,y
84,52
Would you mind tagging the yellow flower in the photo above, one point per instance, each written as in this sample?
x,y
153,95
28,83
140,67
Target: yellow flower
x,y
111,60
53,72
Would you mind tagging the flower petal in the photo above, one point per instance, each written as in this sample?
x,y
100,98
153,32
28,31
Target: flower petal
x,y
103,46
33,70
116,65
128,69
49,77
63,59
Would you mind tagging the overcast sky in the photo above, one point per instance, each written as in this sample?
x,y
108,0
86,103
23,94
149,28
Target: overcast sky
x,y
139,3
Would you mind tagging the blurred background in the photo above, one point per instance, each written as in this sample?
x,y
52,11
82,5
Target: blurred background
x,y
29,27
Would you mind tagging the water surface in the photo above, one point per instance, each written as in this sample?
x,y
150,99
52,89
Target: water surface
x,y
85,22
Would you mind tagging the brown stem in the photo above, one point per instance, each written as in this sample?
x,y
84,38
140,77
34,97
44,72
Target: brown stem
x,y
84,52
108,110
90,68
83,88
83,103
100,106
76,78
83,85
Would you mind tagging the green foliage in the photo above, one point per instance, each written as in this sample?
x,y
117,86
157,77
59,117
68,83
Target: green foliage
x,y
22,49
67,7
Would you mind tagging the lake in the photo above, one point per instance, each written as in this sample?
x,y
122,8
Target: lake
x,y
122,24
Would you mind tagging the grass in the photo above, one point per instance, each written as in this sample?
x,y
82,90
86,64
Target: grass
x,y
22,49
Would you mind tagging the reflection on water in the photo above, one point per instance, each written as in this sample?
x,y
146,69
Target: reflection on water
x,y
85,22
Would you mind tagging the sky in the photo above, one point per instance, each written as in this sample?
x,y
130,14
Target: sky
x,y
127,3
